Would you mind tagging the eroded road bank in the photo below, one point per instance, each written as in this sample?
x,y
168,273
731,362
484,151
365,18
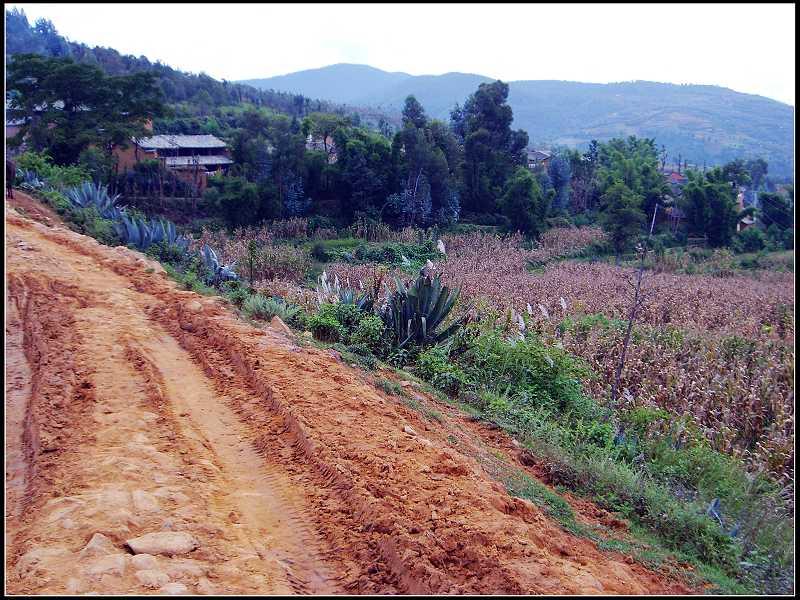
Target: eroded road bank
x,y
134,408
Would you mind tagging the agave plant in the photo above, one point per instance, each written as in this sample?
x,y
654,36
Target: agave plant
x,y
219,272
91,195
415,312
29,180
364,302
141,234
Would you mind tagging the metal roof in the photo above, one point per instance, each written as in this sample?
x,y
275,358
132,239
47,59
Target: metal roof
x,y
191,161
165,142
538,154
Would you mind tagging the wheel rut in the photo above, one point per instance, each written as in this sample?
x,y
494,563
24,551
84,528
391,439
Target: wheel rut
x,y
270,513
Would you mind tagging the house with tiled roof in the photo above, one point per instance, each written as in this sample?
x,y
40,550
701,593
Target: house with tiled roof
x,y
537,158
192,158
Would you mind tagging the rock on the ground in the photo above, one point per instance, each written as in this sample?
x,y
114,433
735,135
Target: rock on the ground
x,y
182,568
205,587
75,586
144,562
278,325
113,564
409,430
99,545
32,558
163,542
174,589
194,306
151,578
145,501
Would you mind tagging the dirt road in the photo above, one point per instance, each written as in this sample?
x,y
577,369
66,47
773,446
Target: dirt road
x,y
248,463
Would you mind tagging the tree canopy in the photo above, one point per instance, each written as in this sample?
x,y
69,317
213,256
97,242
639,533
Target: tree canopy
x,y
66,107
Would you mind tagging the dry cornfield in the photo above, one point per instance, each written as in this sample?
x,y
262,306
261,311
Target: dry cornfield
x,y
719,349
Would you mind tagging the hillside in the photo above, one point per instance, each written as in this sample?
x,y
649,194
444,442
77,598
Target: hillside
x,y
699,122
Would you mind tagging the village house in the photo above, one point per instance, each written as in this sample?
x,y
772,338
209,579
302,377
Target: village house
x,y
326,145
192,158
538,158
747,221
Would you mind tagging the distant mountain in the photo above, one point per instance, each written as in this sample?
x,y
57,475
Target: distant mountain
x,y
702,123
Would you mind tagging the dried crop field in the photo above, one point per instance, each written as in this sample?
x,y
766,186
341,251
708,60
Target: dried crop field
x,y
717,348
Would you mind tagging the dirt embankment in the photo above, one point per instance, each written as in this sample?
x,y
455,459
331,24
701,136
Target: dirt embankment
x,y
134,408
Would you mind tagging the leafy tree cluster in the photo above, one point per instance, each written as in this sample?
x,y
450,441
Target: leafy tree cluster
x,y
66,107
492,150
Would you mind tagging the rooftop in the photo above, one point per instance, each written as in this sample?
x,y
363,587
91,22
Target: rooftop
x,y
164,142
538,154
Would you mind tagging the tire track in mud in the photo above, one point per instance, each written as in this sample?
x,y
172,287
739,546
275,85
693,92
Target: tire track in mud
x,y
275,519
18,394
124,477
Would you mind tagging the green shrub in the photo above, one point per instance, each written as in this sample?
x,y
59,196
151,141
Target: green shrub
x,y
165,252
370,332
236,292
58,201
435,367
89,222
55,176
318,252
749,240
348,315
261,307
326,326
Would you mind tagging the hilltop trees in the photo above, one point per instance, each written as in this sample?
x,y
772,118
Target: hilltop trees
x,y
492,151
67,107
622,217
524,204
709,202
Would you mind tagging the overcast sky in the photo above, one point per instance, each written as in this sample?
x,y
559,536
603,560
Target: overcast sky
x,y
749,48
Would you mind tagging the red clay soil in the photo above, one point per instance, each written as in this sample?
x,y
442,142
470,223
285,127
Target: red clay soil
x,y
134,407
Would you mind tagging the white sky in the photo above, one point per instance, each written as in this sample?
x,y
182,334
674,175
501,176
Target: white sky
x,y
747,47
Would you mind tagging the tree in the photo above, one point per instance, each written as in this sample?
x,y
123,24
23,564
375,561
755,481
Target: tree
x,y
67,107
622,218
524,204
758,171
560,173
776,210
426,157
322,126
233,198
492,151
634,162
737,173
709,203
413,113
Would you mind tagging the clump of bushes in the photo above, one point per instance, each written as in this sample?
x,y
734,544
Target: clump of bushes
x,y
265,308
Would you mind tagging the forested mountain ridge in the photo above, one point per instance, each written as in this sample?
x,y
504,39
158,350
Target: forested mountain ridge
x,y
177,86
702,123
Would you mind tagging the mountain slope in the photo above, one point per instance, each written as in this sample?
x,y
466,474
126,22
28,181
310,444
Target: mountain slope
x,y
699,122
326,82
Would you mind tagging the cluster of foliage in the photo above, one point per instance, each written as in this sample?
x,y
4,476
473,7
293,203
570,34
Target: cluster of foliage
x,y
91,210
65,107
